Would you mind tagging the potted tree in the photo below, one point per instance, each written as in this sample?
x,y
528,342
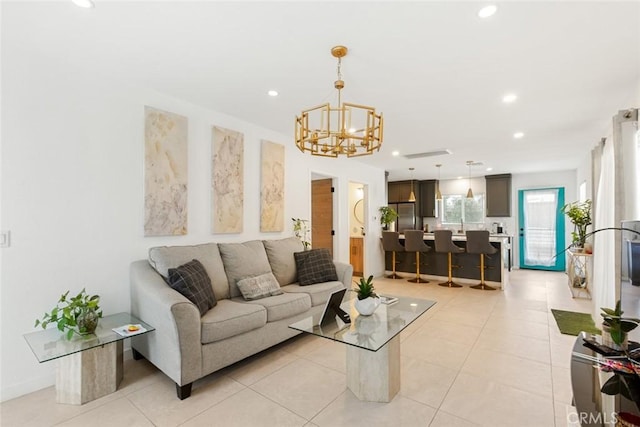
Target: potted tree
x,y
77,315
616,327
367,301
387,216
579,214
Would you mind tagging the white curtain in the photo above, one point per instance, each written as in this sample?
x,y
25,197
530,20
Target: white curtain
x,y
604,276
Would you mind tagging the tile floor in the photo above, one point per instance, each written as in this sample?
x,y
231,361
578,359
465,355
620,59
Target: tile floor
x,y
475,359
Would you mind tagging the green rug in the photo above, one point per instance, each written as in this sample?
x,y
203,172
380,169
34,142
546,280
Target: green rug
x,y
571,322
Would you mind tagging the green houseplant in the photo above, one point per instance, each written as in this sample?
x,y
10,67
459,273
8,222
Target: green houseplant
x,y
579,214
301,231
617,325
387,216
367,301
77,315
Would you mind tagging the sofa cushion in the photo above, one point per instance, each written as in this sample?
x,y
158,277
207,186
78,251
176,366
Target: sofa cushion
x,y
315,266
257,287
162,258
243,260
282,306
231,318
192,281
283,264
318,292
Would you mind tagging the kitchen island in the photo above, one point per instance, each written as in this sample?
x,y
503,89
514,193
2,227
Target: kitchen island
x,y
435,268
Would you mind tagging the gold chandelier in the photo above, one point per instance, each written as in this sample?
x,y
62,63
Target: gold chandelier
x,y
351,129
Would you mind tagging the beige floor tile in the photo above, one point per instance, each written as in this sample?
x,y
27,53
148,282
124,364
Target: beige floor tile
x,y
303,387
119,412
455,332
259,366
462,316
516,314
436,350
488,403
512,371
566,415
515,345
302,344
516,303
332,355
561,378
348,411
443,419
521,328
160,404
40,409
425,382
246,409
561,348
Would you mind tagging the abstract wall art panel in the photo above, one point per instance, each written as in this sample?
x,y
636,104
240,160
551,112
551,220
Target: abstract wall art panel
x,y
165,173
272,188
227,197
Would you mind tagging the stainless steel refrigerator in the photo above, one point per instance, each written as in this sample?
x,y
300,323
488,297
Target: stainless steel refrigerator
x,y
406,216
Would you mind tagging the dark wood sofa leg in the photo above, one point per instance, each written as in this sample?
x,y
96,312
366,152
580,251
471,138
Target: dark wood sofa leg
x,y
183,391
136,354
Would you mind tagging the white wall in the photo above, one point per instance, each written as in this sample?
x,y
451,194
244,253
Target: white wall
x,y
72,195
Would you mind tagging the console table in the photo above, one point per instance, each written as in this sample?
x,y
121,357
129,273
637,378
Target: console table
x,y
578,273
89,366
373,345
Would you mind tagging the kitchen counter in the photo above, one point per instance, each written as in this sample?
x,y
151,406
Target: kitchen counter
x,y
435,264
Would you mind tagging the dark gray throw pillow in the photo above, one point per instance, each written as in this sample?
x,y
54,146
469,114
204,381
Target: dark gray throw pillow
x,y
315,266
192,281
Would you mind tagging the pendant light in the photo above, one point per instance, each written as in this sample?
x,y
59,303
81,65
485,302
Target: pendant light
x,y
438,193
469,191
412,196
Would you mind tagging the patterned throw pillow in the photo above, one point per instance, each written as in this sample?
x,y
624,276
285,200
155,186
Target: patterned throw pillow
x,y
192,281
315,266
257,287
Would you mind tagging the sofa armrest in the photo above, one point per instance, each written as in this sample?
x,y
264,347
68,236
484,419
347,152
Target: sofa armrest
x,y
175,345
345,273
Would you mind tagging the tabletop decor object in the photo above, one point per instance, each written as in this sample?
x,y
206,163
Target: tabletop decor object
x,y
77,315
367,301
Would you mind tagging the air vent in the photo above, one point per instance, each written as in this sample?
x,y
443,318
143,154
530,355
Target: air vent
x,y
428,154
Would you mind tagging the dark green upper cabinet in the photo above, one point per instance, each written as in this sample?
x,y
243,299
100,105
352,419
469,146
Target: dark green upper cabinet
x,y
498,197
428,198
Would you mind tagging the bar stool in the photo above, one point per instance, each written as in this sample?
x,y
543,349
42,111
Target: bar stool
x,y
444,243
478,243
414,242
391,243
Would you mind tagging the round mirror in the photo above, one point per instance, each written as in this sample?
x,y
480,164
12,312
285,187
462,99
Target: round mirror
x,y
358,211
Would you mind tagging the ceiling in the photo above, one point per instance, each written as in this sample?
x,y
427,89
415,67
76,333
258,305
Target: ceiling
x,y
434,69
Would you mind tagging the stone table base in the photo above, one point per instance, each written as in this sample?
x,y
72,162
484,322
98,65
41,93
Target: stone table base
x,y
374,376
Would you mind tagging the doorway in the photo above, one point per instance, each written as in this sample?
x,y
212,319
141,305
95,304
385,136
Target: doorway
x,y
541,229
322,191
356,227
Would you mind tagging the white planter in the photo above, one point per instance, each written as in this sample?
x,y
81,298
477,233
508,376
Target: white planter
x,y
367,306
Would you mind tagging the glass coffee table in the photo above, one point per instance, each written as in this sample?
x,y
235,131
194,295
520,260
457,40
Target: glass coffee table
x,y
89,366
373,344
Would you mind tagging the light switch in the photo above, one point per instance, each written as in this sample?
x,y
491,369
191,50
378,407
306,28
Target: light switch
x,y
5,238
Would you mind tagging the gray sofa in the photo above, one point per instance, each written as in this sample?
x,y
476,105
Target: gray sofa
x,y
186,346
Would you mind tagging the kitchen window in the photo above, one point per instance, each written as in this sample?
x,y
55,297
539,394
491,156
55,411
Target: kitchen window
x,y
457,208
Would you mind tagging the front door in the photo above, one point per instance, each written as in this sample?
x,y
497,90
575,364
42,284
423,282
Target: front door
x,y
322,214
541,229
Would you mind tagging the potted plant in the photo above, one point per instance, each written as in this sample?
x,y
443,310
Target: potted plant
x,y
301,231
579,214
387,216
77,314
617,327
367,300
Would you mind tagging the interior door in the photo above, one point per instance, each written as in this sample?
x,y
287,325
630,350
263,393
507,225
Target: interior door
x,y
322,214
541,229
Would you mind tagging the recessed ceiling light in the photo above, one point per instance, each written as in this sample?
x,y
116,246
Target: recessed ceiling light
x,y
395,153
459,177
489,169
272,93
518,135
487,11
509,98
87,4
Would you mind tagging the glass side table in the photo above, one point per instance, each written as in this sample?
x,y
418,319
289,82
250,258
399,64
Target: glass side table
x,y
90,366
